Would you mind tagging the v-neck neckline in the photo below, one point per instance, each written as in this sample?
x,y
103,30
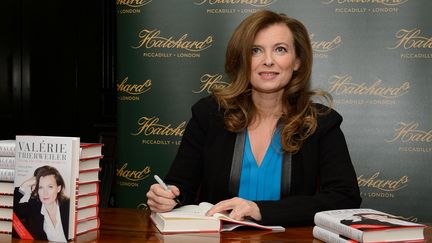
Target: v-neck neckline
x,y
267,156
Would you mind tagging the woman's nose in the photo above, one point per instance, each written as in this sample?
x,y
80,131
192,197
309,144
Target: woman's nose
x,y
268,60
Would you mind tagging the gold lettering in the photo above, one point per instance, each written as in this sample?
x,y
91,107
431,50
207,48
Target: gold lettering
x,y
150,126
209,82
134,89
325,46
343,85
133,3
133,175
255,3
151,39
382,184
383,2
411,39
408,132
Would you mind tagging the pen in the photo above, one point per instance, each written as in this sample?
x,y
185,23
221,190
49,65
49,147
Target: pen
x,y
165,187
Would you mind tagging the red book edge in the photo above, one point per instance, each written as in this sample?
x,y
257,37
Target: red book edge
x,y
89,158
88,218
87,194
90,170
88,145
92,205
92,229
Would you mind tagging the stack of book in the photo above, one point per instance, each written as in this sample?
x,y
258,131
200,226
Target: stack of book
x,y
7,173
88,188
73,167
365,225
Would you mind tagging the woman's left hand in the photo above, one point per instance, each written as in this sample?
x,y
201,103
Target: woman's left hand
x,y
240,208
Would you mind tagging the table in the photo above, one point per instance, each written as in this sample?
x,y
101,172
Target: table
x,y
132,225
135,226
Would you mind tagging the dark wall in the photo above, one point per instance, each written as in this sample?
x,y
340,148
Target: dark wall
x,y
57,68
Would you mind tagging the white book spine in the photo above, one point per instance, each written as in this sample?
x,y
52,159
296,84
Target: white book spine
x,y
7,174
7,162
327,236
328,222
7,148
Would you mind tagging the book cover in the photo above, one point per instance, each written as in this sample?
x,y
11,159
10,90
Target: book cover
x,y
46,176
7,148
192,218
369,225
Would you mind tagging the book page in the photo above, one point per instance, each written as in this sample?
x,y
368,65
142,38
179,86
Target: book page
x,y
189,211
230,223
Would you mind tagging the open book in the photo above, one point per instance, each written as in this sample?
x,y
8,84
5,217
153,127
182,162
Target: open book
x,y
191,218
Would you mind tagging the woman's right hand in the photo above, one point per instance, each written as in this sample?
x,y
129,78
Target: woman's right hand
x,y
160,200
31,183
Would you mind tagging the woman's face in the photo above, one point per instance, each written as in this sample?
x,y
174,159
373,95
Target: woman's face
x,y
273,59
48,189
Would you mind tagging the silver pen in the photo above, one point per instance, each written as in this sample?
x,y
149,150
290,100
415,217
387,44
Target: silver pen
x,y
165,187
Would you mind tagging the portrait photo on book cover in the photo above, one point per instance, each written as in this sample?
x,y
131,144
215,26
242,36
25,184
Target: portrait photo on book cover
x,y
41,204
365,221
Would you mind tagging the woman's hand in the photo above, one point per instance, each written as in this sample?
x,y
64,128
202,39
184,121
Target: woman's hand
x,y
160,200
30,183
240,208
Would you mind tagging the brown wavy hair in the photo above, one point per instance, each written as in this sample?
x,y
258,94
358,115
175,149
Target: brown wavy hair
x,y
299,117
46,171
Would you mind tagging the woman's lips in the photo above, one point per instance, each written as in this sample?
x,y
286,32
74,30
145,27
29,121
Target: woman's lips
x,y
268,75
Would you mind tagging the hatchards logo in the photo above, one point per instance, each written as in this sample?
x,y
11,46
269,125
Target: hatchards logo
x,y
127,91
412,43
152,128
376,92
234,6
130,6
210,82
323,47
150,39
365,6
411,138
131,177
377,186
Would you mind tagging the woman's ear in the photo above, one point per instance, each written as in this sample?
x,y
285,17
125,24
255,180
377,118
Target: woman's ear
x,y
58,189
297,64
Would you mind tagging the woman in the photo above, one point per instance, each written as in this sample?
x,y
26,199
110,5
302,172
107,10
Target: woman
x,y
46,214
260,148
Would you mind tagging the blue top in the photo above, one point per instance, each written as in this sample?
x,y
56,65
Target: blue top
x,y
263,182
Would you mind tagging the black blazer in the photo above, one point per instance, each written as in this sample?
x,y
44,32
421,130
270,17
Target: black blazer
x,y
32,219
322,175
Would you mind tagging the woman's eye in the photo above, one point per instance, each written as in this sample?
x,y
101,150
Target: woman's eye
x,y
255,50
281,49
